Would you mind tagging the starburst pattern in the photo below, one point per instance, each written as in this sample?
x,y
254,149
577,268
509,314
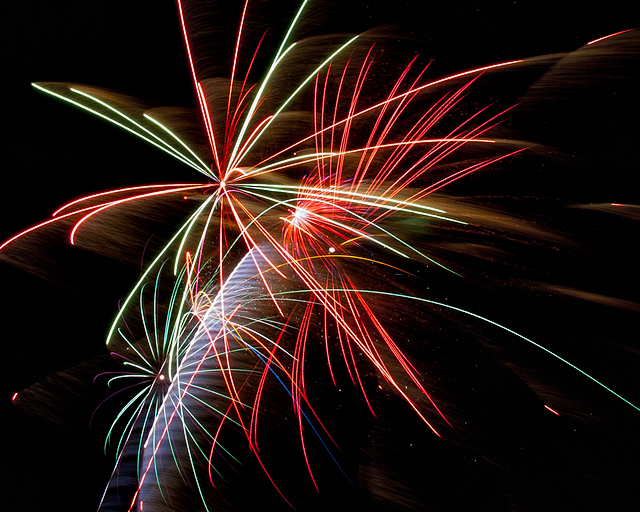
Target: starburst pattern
x,y
304,187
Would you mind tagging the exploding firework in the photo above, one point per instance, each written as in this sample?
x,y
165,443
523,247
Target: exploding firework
x,y
289,271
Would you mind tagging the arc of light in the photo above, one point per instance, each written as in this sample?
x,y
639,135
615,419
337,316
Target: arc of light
x,y
191,223
292,201
128,376
279,56
252,244
207,171
290,98
249,138
365,163
219,295
207,123
201,98
113,121
235,61
426,122
186,431
144,323
313,156
461,174
147,391
120,201
164,432
179,405
607,37
409,369
321,293
448,306
155,310
149,268
395,98
269,368
88,208
129,363
291,25
186,42
178,154
119,458
360,202
310,157
254,105
362,76
441,151
362,234
179,320
186,290
390,167
117,191
346,195
371,238
42,224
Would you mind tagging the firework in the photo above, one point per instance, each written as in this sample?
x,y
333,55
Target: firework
x,y
310,183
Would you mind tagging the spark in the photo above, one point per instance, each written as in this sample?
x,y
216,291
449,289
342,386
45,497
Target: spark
x,y
607,37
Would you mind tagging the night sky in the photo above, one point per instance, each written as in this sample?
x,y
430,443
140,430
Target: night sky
x,y
53,153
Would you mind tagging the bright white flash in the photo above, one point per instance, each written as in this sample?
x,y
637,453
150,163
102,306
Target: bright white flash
x,y
299,214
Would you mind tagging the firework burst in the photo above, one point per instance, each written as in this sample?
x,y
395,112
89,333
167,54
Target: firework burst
x,y
309,178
